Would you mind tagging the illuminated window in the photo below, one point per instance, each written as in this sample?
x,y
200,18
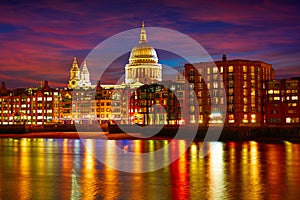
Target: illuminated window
x,y
245,76
276,98
230,69
253,83
294,97
230,99
39,98
288,120
245,100
215,85
276,91
245,120
200,119
221,69
216,100
200,78
215,77
245,108
200,86
244,68
215,70
245,84
253,118
222,100
200,108
192,117
231,118
208,70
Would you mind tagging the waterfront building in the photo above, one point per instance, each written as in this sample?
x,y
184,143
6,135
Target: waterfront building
x,y
30,105
157,104
91,105
281,102
65,106
103,100
243,83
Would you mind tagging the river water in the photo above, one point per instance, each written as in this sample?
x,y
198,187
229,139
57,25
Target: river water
x,y
67,169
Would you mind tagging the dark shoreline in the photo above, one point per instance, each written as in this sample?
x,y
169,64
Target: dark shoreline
x,y
260,134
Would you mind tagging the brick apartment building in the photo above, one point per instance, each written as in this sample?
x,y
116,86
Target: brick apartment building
x,y
282,102
242,81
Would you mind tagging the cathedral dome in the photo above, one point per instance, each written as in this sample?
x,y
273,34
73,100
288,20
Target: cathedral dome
x,y
143,66
143,53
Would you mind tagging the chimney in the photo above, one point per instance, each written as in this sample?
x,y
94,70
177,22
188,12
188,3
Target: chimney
x,y
3,85
46,84
224,58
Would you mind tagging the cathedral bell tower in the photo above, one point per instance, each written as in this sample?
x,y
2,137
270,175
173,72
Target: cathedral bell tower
x,y
85,76
74,75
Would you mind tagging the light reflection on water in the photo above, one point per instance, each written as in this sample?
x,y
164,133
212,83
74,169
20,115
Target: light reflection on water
x,y
65,169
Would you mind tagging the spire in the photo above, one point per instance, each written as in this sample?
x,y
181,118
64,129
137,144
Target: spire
x,y
85,76
84,68
143,35
75,65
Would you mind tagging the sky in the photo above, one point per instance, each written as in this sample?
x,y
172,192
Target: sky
x,y
39,39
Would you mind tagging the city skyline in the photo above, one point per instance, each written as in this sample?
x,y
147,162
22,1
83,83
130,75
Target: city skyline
x,y
39,37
